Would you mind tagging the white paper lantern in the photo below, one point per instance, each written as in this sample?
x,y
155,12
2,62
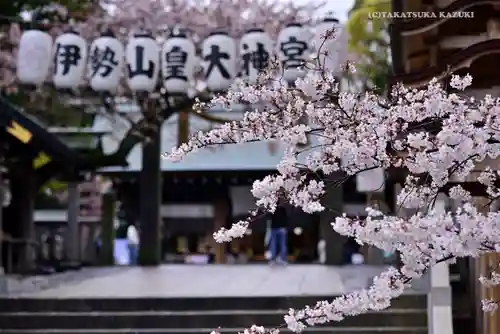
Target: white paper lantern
x,y
219,61
178,56
34,57
142,56
106,60
256,50
70,59
293,50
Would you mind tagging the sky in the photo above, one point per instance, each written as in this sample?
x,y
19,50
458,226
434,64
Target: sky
x,y
338,7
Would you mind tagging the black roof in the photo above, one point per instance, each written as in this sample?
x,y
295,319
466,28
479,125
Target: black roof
x,y
32,133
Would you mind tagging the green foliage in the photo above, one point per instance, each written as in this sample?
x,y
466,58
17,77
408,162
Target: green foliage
x,y
52,194
369,40
56,186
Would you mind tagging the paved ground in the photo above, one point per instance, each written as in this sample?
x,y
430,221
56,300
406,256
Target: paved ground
x,y
212,280
15,285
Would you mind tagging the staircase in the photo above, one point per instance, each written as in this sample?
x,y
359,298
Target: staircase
x,y
193,315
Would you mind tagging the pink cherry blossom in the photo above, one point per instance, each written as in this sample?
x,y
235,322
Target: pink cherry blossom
x,y
437,137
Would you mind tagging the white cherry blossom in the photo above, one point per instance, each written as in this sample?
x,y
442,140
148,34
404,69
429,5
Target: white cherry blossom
x,y
437,137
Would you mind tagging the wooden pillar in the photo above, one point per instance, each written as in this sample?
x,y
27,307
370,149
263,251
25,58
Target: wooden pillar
x,y
489,322
492,320
221,213
72,233
334,242
491,262
480,269
372,254
25,207
151,187
2,233
106,253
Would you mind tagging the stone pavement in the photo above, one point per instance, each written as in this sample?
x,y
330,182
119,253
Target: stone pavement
x,y
214,280
16,284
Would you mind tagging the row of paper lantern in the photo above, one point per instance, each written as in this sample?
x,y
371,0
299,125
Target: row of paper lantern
x,y
146,62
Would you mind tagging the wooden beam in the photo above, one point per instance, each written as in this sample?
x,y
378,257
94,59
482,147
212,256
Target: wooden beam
x,y
183,128
221,212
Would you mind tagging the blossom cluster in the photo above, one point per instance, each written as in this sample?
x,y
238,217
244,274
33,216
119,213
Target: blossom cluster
x,y
437,137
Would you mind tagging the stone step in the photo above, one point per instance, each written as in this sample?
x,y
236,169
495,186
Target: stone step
x,y
199,319
180,304
318,330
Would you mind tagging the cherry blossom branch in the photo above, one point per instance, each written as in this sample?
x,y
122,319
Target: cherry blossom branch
x,y
435,137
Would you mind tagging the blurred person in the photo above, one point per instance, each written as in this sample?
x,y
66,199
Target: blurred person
x,y
98,245
133,243
350,248
210,253
357,259
278,236
322,251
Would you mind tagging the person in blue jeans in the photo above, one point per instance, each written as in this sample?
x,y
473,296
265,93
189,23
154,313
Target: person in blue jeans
x,y
133,244
279,236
